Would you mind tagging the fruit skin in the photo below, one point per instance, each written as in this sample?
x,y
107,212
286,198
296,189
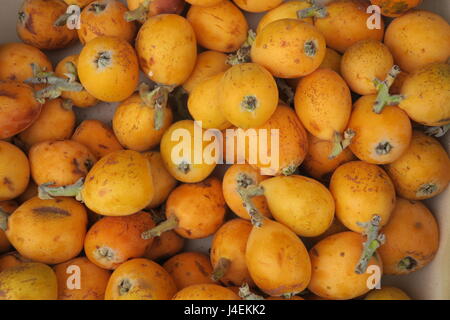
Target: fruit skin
x,y
257,5
182,135
105,141
19,108
287,10
317,162
134,124
249,84
80,3
208,64
395,8
363,62
81,99
361,190
206,292
409,218
109,21
427,95
140,279
108,69
167,49
189,268
346,24
373,131
11,259
387,293
35,25
28,281
230,242
333,262
93,280
163,182
119,184
323,103
199,208
204,106
418,38
289,48
60,162
14,171
283,266
16,59
221,27
54,123
302,204
423,171
204,3
48,231
231,195
159,6
168,244
113,240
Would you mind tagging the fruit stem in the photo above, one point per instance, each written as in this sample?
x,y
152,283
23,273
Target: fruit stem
x,y
55,84
67,104
286,91
373,242
140,13
47,192
339,143
315,11
437,131
246,294
157,99
169,224
247,191
384,98
4,216
242,55
223,265
72,72
62,20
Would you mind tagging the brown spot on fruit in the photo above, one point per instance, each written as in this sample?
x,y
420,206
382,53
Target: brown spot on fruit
x,y
51,210
8,183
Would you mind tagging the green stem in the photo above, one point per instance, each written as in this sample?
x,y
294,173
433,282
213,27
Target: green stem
x,y
157,99
437,131
313,12
246,294
223,265
47,192
340,143
247,193
373,242
4,216
62,20
243,53
169,224
286,92
140,13
384,98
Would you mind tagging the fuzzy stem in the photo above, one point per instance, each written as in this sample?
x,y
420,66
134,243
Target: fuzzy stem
x,y
286,92
243,53
62,20
247,192
47,192
140,13
67,104
169,224
157,99
222,267
4,216
339,143
384,98
373,242
437,131
246,294
72,72
313,12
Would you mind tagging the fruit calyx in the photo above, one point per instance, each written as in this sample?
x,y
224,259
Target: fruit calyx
x,y
384,98
341,142
156,98
242,55
140,13
315,11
